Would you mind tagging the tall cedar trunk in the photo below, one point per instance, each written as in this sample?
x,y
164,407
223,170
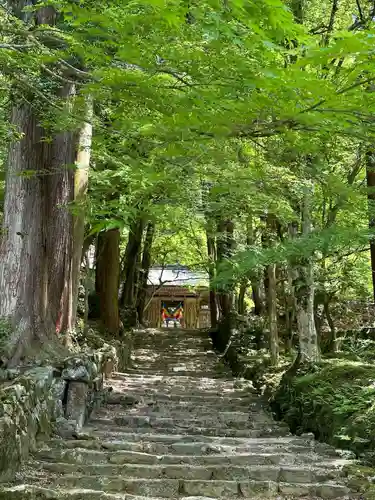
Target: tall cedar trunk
x,y
211,251
132,252
304,295
370,175
145,269
272,314
107,278
36,238
81,178
60,193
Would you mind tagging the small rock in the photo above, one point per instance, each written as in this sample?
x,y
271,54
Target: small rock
x,y
211,450
346,454
308,435
65,428
78,373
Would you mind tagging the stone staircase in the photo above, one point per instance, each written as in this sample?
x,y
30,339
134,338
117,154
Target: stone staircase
x,y
177,425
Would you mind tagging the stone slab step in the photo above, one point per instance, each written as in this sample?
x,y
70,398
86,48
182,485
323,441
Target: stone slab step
x,y
162,395
102,429
171,488
114,455
220,421
154,411
290,443
288,474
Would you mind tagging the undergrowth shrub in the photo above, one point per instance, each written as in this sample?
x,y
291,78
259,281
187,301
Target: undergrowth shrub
x,y
336,402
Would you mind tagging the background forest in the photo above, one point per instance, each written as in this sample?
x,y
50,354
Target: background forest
x,y
232,137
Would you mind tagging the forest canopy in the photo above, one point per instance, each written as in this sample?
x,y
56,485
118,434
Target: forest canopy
x,y
235,137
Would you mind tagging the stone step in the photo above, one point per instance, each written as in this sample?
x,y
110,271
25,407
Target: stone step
x,y
103,428
184,453
183,450
289,442
184,398
182,420
198,413
171,488
288,474
28,492
175,372
177,407
180,379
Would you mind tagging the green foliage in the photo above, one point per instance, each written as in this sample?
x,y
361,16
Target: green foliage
x,y
335,402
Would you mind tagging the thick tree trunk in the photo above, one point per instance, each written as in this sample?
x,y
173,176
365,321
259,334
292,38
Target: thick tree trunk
x,y
304,295
23,269
36,241
272,314
107,278
144,272
81,178
60,193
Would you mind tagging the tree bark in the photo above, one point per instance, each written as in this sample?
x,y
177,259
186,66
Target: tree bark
x,y
241,308
144,272
257,296
132,252
107,278
272,314
332,342
370,176
225,245
81,178
59,243
304,295
211,251
36,238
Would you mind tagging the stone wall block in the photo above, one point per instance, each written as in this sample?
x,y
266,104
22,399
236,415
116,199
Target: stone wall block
x,y
76,404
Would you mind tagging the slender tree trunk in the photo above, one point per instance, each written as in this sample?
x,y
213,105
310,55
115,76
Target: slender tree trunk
x,y
144,272
241,297
304,294
81,178
332,344
290,293
107,278
370,175
132,253
211,251
257,296
225,245
87,284
272,314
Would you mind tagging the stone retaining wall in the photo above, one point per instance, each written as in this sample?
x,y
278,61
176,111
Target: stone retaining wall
x,y
47,399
